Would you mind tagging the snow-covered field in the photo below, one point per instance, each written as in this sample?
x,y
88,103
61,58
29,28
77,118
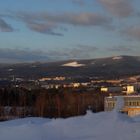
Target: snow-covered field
x,y
99,126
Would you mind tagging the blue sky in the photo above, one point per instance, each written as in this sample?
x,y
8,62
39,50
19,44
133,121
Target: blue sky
x,y
40,30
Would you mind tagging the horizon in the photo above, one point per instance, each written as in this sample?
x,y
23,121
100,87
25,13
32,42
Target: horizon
x,y
52,30
65,60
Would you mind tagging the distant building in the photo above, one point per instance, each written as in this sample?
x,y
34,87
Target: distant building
x,y
76,85
104,89
130,105
129,89
52,79
111,89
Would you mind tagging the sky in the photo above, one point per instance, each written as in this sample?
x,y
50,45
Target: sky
x,y
45,30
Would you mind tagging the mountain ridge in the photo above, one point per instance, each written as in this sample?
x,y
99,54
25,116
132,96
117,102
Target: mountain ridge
x,y
101,67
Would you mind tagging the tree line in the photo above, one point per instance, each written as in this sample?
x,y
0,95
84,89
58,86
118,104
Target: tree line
x,y
54,103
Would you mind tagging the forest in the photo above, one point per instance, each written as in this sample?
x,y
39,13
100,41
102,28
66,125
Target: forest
x,y
53,103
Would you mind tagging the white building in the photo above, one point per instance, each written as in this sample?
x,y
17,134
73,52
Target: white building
x,y
130,105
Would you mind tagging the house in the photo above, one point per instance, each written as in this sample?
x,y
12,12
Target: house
x,y
125,104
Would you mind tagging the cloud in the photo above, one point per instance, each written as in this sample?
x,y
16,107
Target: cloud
x,y
78,19
121,48
46,28
83,51
4,27
78,52
8,55
21,55
133,32
120,8
74,19
47,23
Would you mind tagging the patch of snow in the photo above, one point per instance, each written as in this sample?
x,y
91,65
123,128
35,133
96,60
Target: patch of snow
x,y
73,64
103,65
92,63
33,66
10,69
98,126
117,57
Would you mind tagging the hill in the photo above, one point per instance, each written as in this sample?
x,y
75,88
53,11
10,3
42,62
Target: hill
x,y
110,67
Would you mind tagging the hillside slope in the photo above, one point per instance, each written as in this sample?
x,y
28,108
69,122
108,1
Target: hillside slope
x,y
103,67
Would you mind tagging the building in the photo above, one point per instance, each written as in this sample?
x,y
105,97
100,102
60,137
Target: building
x,y
129,89
127,104
112,89
76,85
104,89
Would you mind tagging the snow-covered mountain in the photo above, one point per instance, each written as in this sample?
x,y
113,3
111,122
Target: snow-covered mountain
x,y
102,67
99,126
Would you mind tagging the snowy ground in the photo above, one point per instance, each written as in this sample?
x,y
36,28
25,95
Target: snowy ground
x,y
100,126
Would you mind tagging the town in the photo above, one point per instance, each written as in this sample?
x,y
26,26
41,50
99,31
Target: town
x,y
64,97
